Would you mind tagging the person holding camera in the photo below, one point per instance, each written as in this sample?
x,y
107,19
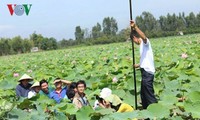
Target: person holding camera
x,y
109,100
105,92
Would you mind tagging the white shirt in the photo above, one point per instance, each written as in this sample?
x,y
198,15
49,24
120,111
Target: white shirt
x,y
31,94
146,57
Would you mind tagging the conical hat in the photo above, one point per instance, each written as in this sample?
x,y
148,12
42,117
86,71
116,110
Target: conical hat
x,y
114,99
36,84
25,77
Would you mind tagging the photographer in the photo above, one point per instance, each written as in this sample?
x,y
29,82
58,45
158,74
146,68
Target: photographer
x,y
108,100
105,92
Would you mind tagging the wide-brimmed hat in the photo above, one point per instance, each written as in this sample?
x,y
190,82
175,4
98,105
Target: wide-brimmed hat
x,y
105,92
36,84
25,77
114,99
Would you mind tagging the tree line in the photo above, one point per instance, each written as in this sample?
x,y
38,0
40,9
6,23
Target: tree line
x,y
106,32
18,45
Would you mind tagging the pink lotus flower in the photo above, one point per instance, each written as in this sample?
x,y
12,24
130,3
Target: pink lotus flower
x,y
184,55
15,74
114,80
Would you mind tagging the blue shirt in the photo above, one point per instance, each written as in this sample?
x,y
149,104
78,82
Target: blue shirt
x,y
58,96
22,91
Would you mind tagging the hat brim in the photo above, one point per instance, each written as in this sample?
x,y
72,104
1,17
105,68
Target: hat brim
x,y
34,86
25,79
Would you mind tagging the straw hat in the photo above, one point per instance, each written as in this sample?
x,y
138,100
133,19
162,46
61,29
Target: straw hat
x,y
105,92
25,77
114,99
36,84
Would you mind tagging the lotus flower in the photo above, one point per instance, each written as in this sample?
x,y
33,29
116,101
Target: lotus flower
x,y
15,74
115,58
184,55
73,62
29,71
92,62
104,58
114,79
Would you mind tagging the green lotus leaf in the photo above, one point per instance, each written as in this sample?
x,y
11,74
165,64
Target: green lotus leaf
x,y
84,113
158,110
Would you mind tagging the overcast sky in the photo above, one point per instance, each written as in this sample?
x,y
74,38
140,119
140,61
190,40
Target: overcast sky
x,y
58,18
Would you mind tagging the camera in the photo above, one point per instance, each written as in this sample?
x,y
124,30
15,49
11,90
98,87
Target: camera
x,y
99,98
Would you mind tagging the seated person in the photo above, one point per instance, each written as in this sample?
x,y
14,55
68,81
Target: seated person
x,y
22,88
45,89
105,92
59,93
114,102
35,88
80,99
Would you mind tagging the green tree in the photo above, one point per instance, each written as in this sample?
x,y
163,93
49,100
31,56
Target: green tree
x,y
37,39
96,31
114,26
79,34
17,44
191,20
86,33
181,22
198,20
44,44
163,23
110,26
5,47
27,45
125,33
52,43
34,38
146,21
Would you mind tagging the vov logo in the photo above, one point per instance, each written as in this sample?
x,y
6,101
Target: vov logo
x,y
19,9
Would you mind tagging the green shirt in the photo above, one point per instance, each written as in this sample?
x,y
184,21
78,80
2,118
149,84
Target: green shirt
x,y
50,90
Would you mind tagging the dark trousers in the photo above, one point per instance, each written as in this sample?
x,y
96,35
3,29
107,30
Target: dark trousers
x,y
147,91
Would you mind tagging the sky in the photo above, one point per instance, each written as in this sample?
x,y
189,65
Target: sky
x,y
58,18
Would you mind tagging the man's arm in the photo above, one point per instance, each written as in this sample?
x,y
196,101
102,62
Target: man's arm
x,y
67,82
141,34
